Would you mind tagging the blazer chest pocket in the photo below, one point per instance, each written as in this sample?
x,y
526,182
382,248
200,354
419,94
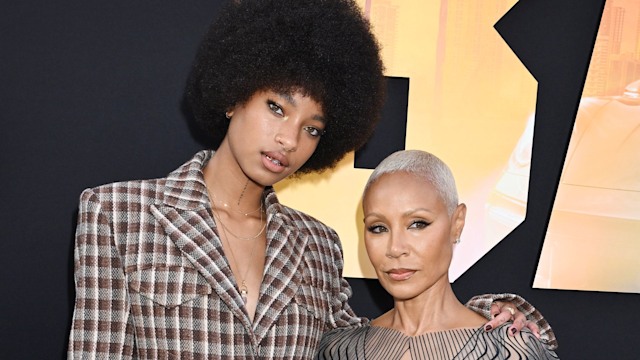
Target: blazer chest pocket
x,y
169,286
314,300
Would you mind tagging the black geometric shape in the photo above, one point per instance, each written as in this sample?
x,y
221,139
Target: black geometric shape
x,y
390,133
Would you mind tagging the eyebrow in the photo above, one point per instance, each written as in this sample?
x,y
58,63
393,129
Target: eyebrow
x,y
288,98
320,118
408,213
413,211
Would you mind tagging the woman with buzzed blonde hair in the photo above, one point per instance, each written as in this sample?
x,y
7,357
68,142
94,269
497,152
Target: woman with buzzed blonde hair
x,y
412,223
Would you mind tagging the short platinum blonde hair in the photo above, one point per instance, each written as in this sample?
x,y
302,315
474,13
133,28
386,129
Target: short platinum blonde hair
x,y
423,165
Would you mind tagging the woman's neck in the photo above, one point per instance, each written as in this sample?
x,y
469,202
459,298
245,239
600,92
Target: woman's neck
x,y
437,309
229,187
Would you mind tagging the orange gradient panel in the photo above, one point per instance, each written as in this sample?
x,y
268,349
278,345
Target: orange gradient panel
x,y
469,101
593,239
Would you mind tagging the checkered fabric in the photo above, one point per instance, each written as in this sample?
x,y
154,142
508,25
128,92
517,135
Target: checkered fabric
x,y
152,283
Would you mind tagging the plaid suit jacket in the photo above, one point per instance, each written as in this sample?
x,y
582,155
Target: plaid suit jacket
x,y
152,281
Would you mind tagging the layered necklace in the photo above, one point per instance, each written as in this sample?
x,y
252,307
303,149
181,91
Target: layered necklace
x,y
244,291
226,229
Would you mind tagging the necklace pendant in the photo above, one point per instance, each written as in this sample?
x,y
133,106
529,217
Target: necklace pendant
x,y
244,292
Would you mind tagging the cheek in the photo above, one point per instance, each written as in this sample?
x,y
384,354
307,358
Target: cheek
x,y
262,129
439,254
247,129
375,251
308,147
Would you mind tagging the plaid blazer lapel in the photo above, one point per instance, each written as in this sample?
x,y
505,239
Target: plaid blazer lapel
x,y
186,218
285,252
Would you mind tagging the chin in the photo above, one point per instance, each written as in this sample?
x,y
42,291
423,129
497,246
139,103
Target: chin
x,y
265,180
404,295
401,292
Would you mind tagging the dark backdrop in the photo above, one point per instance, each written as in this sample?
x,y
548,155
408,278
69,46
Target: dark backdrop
x,y
91,92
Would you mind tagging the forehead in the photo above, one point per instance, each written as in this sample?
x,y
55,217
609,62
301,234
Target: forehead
x,y
402,187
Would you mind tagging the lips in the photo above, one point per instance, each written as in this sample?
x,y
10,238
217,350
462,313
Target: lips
x,y
275,161
400,274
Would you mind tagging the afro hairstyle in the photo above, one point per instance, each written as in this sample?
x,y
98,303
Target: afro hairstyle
x,y
323,48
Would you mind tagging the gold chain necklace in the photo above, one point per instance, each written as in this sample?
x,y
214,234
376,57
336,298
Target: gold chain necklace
x,y
226,229
225,205
246,238
244,290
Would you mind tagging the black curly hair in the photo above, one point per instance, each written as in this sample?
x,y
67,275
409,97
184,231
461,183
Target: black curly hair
x,y
322,48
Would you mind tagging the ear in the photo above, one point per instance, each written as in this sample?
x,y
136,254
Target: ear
x,y
457,221
229,114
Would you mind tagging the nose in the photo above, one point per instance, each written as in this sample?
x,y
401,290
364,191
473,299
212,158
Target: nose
x,y
287,136
397,245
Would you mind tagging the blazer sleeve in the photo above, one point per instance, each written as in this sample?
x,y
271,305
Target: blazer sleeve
x,y
101,326
482,305
341,313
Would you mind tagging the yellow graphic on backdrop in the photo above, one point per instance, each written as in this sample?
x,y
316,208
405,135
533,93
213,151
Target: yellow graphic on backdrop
x,y
593,238
469,100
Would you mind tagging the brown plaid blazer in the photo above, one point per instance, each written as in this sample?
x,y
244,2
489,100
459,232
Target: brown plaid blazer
x,y
152,281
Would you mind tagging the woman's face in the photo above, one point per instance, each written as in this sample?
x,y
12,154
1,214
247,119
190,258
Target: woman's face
x,y
409,235
272,134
